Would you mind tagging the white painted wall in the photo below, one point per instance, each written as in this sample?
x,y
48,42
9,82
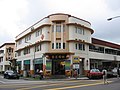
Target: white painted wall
x,y
34,39
42,22
78,21
102,56
73,35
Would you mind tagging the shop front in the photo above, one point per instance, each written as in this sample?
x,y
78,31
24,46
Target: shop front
x,y
58,65
26,71
78,65
38,62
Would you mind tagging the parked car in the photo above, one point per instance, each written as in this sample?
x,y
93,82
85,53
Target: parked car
x,y
9,74
94,73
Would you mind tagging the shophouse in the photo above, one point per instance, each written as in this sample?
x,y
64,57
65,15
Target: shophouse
x,y
6,56
60,43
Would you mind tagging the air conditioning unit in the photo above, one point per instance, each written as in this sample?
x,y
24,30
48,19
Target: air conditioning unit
x,y
32,28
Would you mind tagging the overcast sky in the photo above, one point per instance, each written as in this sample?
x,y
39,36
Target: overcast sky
x,y
18,15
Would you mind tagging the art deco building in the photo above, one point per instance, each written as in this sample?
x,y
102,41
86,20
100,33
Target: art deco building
x,y
58,44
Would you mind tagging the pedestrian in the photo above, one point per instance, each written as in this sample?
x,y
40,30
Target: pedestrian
x,y
105,76
75,74
41,74
118,73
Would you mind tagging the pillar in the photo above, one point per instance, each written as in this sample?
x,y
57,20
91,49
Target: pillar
x,y
22,67
86,65
32,70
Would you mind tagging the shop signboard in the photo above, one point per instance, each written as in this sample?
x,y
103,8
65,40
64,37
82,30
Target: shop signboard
x,y
75,66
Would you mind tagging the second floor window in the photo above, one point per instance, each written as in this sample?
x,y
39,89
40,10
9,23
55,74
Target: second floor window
x,y
26,51
80,46
38,48
58,46
27,38
79,30
38,32
19,53
20,42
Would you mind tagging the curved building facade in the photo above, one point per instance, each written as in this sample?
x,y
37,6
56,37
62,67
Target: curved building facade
x,y
57,44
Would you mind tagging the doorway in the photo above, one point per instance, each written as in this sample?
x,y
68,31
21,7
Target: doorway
x,y
58,67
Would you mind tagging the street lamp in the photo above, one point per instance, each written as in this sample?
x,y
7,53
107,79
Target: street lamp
x,y
113,18
33,56
109,20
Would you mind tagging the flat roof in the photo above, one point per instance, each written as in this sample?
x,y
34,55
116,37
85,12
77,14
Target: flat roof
x,y
105,43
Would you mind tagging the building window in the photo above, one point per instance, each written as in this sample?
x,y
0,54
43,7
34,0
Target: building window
x,y
19,42
59,45
63,27
63,45
1,51
58,28
84,47
56,45
26,51
75,29
19,53
9,50
76,46
96,48
80,46
27,38
38,48
52,45
37,33
79,30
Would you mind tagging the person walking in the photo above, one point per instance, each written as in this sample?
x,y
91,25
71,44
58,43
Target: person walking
x,y
105,76
118,73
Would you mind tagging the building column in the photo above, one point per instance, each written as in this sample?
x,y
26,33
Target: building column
x,y
22,67
61,36
44,63
3,64
3,67
86,65
54,36
32,67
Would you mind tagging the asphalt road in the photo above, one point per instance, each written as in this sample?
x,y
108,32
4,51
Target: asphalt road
x,y
64,84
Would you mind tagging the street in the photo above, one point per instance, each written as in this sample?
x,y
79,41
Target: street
x,y
57,84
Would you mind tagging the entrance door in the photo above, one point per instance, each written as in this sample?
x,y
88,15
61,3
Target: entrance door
x,y
58,67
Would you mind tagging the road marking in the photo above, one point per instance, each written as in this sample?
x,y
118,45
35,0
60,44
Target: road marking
x,y
36,87
68,87
51,84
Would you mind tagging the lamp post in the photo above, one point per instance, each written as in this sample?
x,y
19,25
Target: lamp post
x,y
113,18
33,56
114,56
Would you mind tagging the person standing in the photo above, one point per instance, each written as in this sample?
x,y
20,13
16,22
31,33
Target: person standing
x,y
75,74
105,76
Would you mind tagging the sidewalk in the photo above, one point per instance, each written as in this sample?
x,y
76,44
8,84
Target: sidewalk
x,y
50,79
56,79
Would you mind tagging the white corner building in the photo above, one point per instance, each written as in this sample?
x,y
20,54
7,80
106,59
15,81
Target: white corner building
x,y
60,43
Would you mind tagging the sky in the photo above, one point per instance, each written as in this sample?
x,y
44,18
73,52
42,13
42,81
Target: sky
x,y
18,15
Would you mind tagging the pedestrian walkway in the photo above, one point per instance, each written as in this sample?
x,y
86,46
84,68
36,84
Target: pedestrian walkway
x,y
56,79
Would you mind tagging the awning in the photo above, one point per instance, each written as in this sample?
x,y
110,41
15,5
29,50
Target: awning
x,y
38,61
